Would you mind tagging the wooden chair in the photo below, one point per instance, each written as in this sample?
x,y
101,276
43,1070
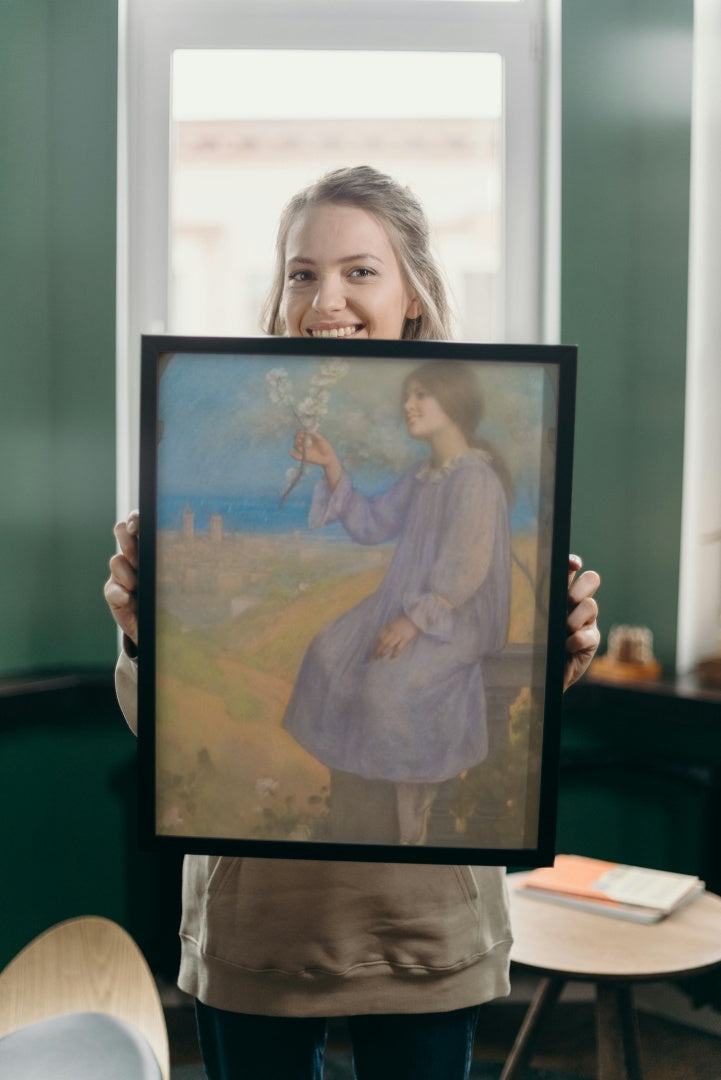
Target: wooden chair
x,y
80,975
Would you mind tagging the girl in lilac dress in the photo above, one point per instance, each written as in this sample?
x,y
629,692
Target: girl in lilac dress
x,y
393,689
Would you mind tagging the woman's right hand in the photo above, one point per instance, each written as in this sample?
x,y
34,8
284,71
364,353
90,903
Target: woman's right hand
x,y
122,585
314,449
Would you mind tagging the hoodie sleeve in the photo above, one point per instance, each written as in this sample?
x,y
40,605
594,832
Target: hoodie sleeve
x,y
126,688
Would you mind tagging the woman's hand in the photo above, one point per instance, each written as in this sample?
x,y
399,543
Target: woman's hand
x,y
393,639
583,635
310,447
122,585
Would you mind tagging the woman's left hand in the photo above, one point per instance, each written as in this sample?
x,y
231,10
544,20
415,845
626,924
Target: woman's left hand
x,y
583,635
394,637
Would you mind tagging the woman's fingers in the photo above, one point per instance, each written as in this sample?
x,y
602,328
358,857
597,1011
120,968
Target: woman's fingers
x,y
387,645
575,563
123,606
582,634
123,573
120,589
394,638
126,534
581,605
311,447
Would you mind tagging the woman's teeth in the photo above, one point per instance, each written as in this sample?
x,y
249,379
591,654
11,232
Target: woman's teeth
x,y
337,331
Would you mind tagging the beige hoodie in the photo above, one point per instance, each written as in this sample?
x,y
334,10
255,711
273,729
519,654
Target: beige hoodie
x,y
285,937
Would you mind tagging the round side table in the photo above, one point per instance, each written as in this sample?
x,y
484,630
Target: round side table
x,y
563,944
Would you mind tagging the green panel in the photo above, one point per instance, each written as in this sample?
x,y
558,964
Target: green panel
x,y
58,75
641,778
626,161
623,816
66,773
82,302
25,390
68,785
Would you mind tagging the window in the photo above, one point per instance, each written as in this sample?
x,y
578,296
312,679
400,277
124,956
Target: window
x,y
236,160
227,107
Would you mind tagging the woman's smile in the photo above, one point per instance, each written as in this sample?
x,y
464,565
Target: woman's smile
x,y
335,331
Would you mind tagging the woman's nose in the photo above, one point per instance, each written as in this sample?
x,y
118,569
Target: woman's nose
x,y
329,296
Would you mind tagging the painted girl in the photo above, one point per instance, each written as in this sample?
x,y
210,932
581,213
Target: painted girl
x,y
393,689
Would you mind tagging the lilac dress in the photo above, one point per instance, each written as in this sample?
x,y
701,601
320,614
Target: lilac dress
x,y
420,717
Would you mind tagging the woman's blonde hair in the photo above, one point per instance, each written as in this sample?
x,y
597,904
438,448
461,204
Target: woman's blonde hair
x,y
402,216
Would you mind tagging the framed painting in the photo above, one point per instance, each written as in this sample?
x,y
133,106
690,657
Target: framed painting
x,y
352,597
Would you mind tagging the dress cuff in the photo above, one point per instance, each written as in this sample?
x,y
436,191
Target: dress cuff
x,y
327,505
431,614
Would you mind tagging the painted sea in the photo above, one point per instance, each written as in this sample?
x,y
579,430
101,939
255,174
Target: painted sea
x,y
263,514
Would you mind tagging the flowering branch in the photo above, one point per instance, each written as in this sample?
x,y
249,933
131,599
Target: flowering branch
x,y
308,412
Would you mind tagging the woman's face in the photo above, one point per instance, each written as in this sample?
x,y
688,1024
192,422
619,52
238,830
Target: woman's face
x,y
425,419
342,277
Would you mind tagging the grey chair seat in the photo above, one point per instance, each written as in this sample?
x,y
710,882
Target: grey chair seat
x,y
78,1046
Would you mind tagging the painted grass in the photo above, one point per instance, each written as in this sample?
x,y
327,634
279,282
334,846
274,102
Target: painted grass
x,y
226,766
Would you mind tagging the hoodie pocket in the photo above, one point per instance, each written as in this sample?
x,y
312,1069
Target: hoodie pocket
x,y
296,916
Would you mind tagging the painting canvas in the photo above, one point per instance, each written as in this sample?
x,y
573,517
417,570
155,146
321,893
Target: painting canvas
x,y
353,572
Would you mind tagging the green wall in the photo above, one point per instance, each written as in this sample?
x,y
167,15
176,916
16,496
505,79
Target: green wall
x,y
68,804
67,772
625,200
58,72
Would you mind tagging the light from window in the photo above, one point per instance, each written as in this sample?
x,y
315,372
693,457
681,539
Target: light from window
x,y
250,128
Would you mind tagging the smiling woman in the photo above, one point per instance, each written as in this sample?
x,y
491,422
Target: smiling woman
x,y
353,259
332,292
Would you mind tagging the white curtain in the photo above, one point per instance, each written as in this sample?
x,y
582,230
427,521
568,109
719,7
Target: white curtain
x,y
700,583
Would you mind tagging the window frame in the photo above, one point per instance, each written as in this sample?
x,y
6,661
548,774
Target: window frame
x,y
525,34
698,634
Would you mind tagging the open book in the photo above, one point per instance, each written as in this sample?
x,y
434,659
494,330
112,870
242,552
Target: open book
x,y
608,888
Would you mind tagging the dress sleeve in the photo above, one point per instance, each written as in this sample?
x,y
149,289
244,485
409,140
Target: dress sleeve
x,y
473,545
368,519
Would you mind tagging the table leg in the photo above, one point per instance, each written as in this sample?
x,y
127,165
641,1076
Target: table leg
x,y
545,997
617,1033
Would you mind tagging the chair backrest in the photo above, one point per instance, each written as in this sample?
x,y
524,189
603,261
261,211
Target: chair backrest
x,y
87,964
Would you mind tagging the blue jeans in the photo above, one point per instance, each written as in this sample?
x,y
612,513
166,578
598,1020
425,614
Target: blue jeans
x,y
413,1046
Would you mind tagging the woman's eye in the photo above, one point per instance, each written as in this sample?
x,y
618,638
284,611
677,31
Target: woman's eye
x,y
300,276
362,272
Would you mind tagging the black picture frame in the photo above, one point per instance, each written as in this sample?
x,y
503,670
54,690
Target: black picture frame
x,y
234,587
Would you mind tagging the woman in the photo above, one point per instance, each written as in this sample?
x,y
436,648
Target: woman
x,y
272,948
392,690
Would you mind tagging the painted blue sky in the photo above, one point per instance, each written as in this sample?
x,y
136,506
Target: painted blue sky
x,y
223,435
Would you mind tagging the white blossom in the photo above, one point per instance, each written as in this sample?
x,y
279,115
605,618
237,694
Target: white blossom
x,y
329,372
312,407
308,410
280,388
